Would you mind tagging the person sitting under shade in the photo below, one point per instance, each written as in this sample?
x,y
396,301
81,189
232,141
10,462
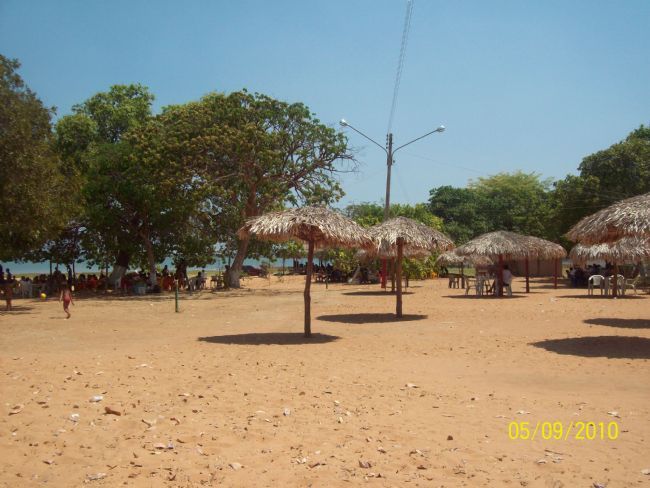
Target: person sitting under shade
x,y
507,279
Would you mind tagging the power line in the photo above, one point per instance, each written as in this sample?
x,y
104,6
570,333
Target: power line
x,y
446,164
400,62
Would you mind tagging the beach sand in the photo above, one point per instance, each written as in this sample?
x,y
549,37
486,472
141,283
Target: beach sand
x,y
229,393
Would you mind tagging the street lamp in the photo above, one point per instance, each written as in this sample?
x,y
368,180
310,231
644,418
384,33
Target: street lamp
x,y
390,152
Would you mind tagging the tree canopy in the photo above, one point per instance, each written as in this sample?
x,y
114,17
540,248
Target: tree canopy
x,y
255,154
32,187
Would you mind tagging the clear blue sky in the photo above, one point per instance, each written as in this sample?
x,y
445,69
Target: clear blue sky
x,y
530,85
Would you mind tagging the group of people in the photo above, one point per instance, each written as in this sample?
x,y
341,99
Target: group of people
x,y
326,273
579,277
8,282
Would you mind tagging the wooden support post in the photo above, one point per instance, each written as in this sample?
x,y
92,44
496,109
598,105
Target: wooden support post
x,y
500,277
615,285
555,273
398,278
310,265
527,275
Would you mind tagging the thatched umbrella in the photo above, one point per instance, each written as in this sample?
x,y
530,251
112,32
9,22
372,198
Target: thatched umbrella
x,y
404,236
624,250
510,245
629,217
391,253
318,226
452,258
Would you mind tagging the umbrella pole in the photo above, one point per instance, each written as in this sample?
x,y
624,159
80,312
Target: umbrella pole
x,y
527,285
398,278
384,274
500,289
555,274
615,287
310,259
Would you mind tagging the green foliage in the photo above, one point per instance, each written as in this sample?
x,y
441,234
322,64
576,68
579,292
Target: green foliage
x,y
33,195
116,111
461,210
368,214
419,269
618,172
255,154
517,202
290,250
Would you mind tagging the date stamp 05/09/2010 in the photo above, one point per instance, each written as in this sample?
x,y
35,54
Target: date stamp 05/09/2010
x,y
560,431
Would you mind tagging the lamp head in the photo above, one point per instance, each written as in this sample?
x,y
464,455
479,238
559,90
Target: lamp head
x,y
440,129
343,122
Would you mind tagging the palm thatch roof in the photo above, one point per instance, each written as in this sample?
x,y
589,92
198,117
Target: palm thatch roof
x,y
451,258
391,253
629,217
414,236
320,225
625,250
544,249
511,245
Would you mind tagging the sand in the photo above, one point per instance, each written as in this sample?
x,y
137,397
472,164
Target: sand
x,y
229,393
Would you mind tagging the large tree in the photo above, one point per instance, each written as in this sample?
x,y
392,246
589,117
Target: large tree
x,y
33,192
462,211
615,173
148,206
90,138
517,202
256,154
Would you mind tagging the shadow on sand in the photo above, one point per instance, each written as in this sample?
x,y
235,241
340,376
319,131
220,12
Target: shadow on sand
x,y
603,297
270,338
622,347
369,318
15,310
474,296
624,323
375,293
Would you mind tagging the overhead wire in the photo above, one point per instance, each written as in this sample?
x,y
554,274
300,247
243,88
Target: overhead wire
x,y
400,62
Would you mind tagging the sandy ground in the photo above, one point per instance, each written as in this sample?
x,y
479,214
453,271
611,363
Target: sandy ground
x,y
229,393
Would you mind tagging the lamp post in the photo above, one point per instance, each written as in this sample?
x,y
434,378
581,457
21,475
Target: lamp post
x,y
390,152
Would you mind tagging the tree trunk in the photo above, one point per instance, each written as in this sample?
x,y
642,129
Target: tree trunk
x,y
310,258
398,279
555,274
235,270
151,260
119,268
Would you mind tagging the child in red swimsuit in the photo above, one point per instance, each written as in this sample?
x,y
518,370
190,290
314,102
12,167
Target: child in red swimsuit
x,y
66,297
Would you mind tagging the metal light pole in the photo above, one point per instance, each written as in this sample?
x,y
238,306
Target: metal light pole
x,y
390,152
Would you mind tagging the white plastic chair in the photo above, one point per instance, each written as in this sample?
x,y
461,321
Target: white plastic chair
x,y
596,280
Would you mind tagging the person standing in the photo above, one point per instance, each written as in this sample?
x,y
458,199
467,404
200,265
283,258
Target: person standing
x,y
7,284
66,298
